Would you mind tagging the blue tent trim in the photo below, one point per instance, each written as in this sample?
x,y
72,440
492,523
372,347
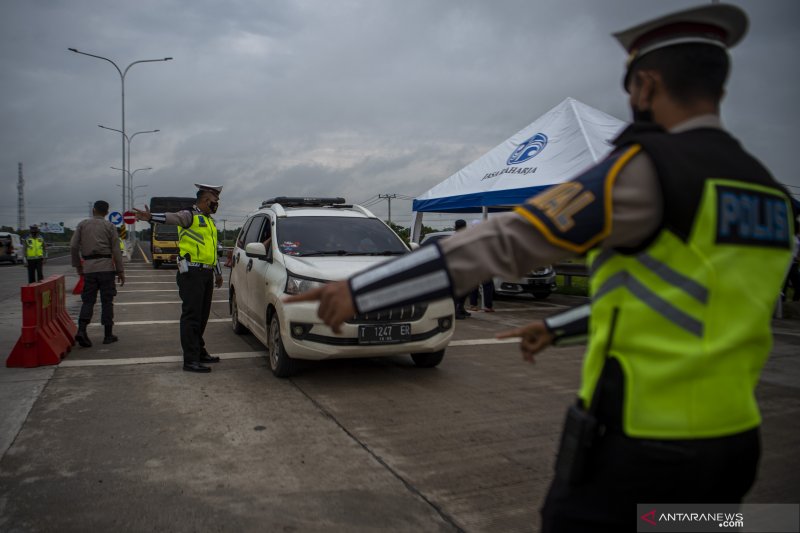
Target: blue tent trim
x,y
473,203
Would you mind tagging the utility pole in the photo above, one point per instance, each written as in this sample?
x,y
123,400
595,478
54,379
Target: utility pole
x,y
224,220
20,200
389,199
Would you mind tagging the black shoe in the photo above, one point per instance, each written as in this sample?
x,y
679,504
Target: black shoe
x,y
209,359
194,366
461,316
108,339
83,339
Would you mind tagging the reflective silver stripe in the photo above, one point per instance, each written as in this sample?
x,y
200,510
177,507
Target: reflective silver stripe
x,y
388,296
559,320
673,277
656,303
194,236
604,256
158,218
407,262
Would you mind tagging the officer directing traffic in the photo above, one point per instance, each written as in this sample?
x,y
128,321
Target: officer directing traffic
x,y
35,253
198,271
671,222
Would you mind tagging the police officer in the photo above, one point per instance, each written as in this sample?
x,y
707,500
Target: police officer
x,y
97,257
672,221
35,253
198,271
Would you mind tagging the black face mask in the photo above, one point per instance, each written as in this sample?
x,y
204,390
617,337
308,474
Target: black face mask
x,y
640,115
212,206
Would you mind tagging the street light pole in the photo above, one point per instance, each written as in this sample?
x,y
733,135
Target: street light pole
x,y
130,182
129,174
122,75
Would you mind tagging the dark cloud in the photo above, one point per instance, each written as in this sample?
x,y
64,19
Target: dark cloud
x,y
309,97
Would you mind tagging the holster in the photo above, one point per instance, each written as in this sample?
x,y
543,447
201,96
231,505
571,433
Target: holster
x,y
580,431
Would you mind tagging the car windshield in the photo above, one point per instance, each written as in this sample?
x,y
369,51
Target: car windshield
x,y
317,236
166,232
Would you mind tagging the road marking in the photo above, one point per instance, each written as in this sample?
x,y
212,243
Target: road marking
x,y
139,245
151,322
478,342
164,290
165,302
148,282
68,363
147,360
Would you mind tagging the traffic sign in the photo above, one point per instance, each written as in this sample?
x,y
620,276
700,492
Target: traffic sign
x,y
129,217
115,217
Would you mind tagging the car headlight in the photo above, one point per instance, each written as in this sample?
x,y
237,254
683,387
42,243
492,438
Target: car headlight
x,y
298,285
542,271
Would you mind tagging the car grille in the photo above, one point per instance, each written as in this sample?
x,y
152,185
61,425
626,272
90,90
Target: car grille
x,y
407,313
170,250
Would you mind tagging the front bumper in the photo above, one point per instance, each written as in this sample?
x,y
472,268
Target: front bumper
x,y
528,284
431,333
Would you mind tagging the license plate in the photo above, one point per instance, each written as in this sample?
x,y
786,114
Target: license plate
x,y
537,281
384,334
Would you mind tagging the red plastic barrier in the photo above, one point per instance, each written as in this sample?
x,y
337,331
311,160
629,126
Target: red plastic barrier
x,y
78,288
48,332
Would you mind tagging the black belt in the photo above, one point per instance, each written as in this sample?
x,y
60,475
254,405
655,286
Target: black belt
x,y
97,256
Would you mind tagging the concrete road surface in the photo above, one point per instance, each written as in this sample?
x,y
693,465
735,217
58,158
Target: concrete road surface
x,y
119,438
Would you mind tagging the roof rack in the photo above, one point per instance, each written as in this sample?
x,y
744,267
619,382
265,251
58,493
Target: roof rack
x,y
296,201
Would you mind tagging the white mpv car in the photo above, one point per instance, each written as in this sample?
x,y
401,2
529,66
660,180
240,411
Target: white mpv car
x,y
291,245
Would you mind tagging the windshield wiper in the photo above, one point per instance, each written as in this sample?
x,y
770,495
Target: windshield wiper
x,y
329,252
385,252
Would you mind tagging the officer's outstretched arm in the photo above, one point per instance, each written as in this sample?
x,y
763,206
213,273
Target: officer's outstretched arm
x,y
569,327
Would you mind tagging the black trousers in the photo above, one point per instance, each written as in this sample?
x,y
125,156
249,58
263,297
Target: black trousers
x,y
92,283
488,295
623,471
196,288
35,272
793,279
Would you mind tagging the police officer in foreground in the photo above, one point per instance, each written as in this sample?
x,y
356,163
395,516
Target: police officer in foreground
x,y
198,271
35,253
671,221
96,256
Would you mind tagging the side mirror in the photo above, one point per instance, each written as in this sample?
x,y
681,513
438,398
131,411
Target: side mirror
x,y
256,249
413,246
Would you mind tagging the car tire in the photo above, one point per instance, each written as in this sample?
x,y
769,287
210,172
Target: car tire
x,y
280,363
541,295
237,326
428,360
156,264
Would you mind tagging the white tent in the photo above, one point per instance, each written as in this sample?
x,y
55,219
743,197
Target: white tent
x,y
554,148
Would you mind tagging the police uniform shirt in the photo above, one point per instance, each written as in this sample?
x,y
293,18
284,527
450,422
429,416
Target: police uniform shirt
x,y
96,236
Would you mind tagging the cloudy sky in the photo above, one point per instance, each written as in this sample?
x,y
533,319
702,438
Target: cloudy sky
x,y
351,98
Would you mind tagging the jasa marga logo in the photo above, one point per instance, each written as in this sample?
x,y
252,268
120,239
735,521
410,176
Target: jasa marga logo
x,y
528,149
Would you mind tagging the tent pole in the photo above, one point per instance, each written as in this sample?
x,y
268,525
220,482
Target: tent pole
x,y
416,226
485,211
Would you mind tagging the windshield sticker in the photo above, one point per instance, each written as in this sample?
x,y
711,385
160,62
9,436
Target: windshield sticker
x,y
290,248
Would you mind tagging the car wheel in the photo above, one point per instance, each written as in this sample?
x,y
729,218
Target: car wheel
x,y
541,295
238,328
156,264
428,360
280,363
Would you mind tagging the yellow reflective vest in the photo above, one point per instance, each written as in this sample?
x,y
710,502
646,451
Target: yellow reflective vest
x,y
34,248
687,318
199,240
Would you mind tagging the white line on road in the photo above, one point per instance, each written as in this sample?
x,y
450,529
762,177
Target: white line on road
x,y
151,322
147,360
165,290
232,355
165,302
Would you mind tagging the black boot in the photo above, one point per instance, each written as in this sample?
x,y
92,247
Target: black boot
x,y
82,338
109,338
